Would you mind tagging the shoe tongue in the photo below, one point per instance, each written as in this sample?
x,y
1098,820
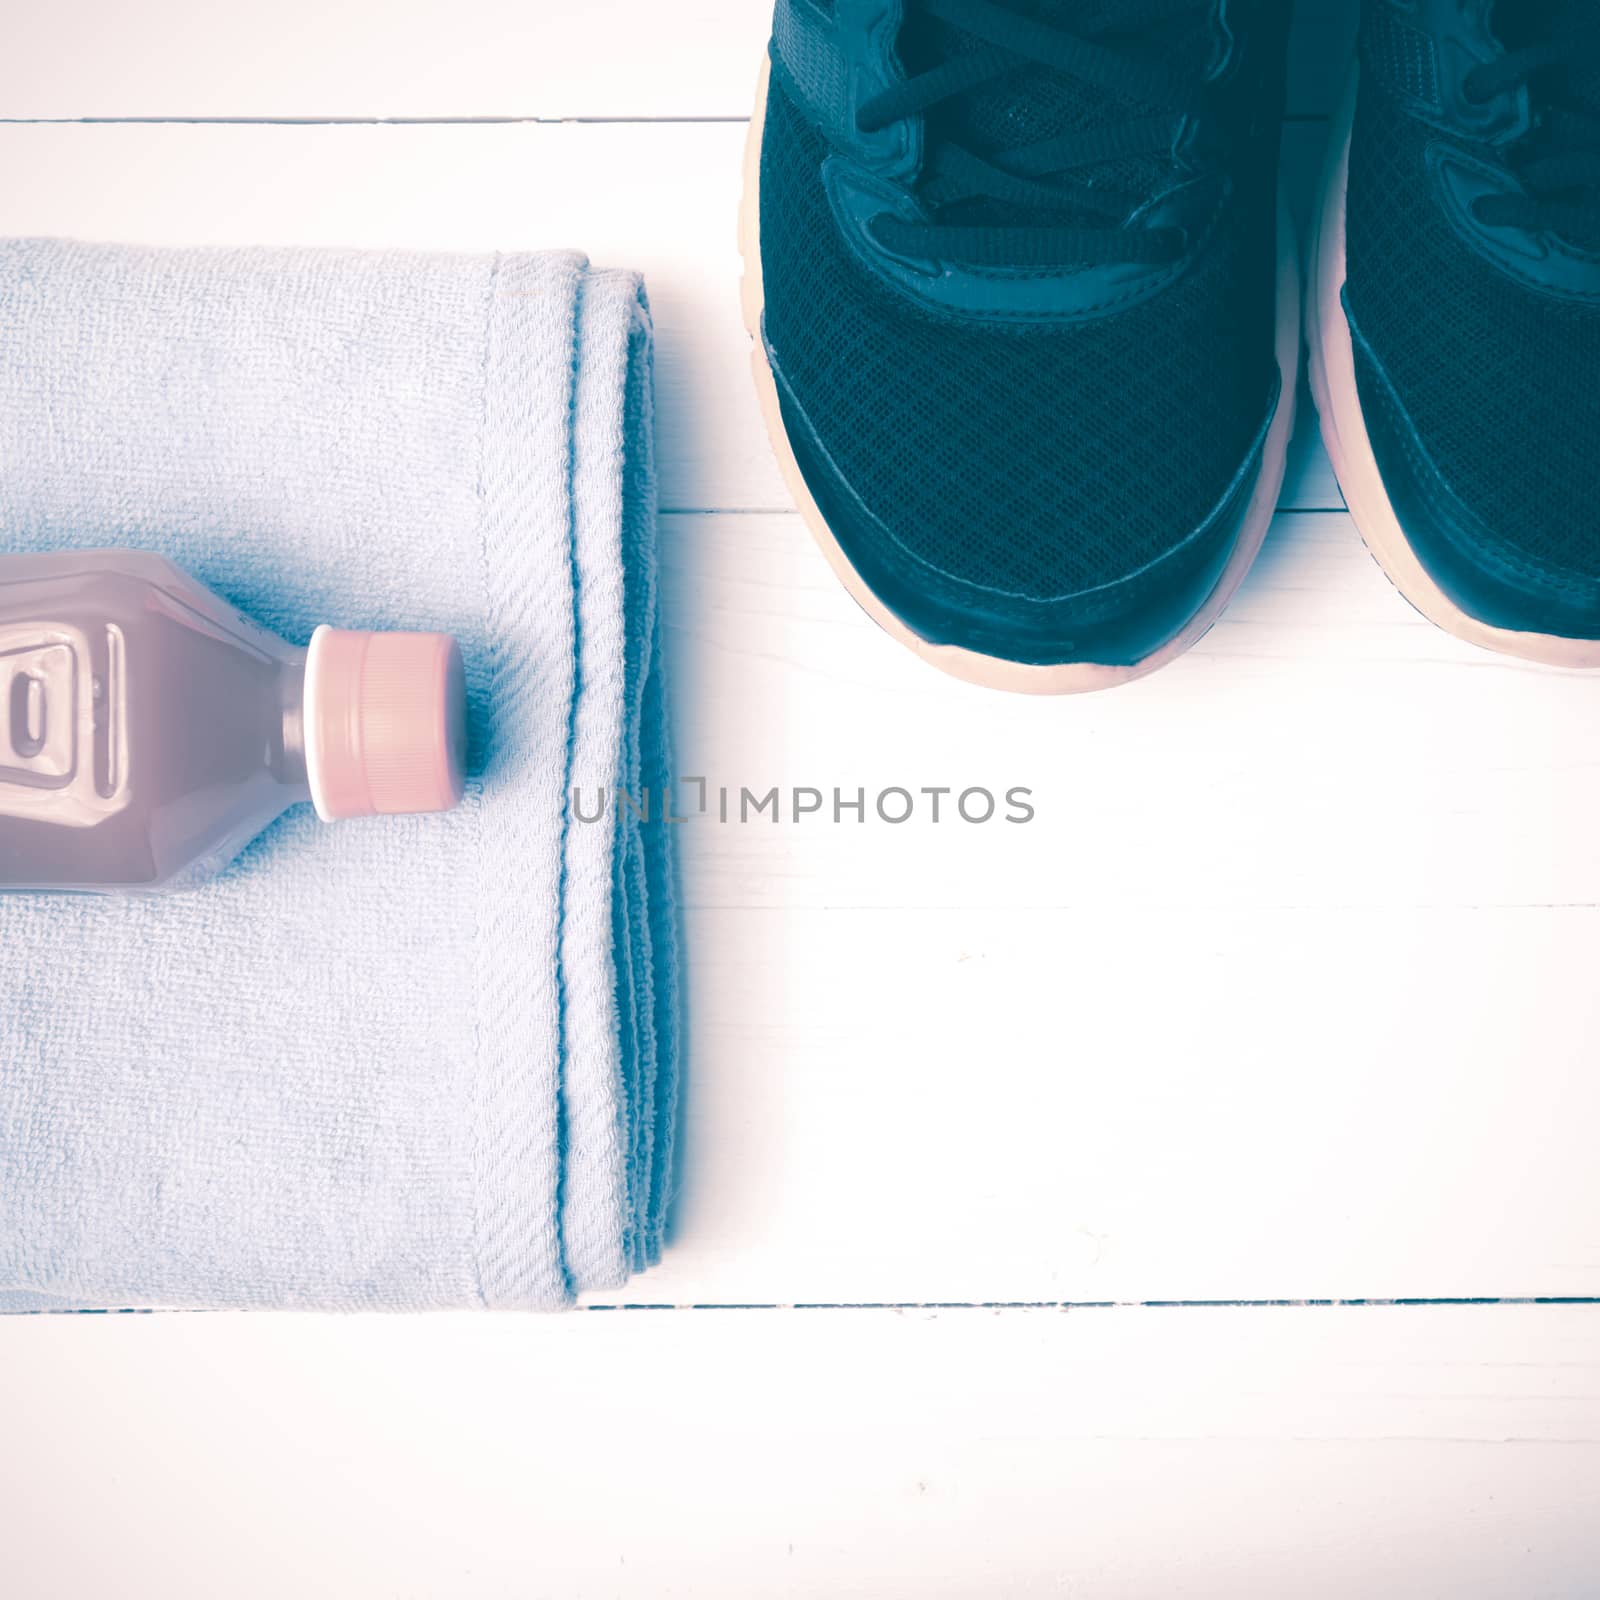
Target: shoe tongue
x,y
1524,22
1034,103
1520,22
1572,87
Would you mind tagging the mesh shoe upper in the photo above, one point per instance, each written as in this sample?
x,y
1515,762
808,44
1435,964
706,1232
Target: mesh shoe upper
x,y
1036,460
1500,381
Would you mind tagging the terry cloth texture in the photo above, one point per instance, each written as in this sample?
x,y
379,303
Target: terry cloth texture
x,y
399,1063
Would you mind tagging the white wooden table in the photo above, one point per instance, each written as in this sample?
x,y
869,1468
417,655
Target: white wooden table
x,y
1029,1172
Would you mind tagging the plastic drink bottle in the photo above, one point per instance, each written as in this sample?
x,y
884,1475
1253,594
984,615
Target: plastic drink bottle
x,y
148,731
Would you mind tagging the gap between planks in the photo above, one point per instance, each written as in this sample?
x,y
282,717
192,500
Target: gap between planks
x,y
1330,1304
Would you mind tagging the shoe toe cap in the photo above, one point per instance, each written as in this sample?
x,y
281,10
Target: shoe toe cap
x,y
1527,575
1124,614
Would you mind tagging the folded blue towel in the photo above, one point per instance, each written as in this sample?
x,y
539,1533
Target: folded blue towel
x,y
399,1063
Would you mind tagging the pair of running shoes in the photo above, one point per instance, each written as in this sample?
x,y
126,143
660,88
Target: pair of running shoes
x,y
1027,310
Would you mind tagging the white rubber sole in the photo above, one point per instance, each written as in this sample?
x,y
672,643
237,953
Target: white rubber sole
x,y
992,672
1344,432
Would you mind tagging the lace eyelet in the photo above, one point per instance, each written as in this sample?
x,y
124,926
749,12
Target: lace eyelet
x,y
1472,89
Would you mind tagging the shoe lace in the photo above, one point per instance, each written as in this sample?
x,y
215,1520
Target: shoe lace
x,y
1037,182
1558,163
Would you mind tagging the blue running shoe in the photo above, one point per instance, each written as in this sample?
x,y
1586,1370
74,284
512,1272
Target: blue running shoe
x,y
1026,320
1454,315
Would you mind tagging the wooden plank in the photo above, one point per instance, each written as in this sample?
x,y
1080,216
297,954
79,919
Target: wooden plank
x,y
304,59
1213,1453
665,203
1323,749
1285,992
1071,1105
1327,791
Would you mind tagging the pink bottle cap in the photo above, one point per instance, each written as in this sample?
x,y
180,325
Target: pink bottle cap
x,y
385,722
